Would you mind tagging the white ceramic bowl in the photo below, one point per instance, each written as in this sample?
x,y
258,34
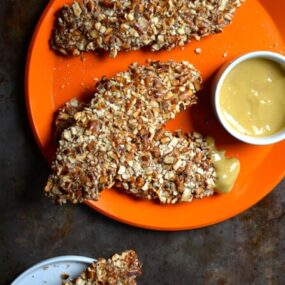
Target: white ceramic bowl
x,y
48,272
216,88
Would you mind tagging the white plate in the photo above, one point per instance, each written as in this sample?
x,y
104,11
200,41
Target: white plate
x,y
48,272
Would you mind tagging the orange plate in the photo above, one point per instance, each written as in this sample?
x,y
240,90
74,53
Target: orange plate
x,y
52,80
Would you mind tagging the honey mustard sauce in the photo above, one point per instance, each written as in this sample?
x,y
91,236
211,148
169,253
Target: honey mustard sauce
x,y
252,97
227,169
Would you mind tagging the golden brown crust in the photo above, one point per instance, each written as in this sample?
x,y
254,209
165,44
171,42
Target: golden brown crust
x,y
120,269
119,139
116,25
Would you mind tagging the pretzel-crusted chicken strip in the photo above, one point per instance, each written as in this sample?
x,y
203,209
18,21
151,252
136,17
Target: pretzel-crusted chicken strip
x,y
119,139
120,269
119,25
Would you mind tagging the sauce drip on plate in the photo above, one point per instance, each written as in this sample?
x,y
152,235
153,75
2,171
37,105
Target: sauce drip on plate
x,y
227,168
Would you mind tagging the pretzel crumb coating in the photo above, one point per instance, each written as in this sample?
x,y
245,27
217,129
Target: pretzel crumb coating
x,y
119,25
120,269
119,139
